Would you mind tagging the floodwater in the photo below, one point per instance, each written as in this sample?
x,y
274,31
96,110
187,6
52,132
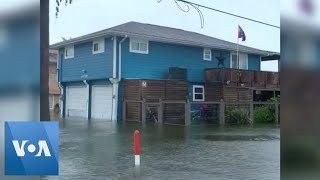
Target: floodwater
x,y
103,150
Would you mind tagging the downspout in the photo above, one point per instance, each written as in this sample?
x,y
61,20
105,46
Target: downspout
x,y
120,61
61,100
115,82
61,88
114,72
88,94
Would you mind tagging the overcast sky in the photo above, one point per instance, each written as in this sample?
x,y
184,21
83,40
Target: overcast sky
x,y
87,16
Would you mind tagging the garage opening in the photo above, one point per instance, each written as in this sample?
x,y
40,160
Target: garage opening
x,y
76,101
101,104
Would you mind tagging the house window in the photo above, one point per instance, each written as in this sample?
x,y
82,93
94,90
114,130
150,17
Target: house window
x,y
243,61
98,46
69,52
207,54
139,46
198,93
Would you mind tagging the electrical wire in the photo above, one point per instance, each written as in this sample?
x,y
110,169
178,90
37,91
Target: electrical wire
x,y
196,7
187,5
200,15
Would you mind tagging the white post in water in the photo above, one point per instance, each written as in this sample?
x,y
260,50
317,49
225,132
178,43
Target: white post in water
x,y
136,148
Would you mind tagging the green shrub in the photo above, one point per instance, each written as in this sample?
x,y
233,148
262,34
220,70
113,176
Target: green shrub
x,y
264,114
238,116
274,99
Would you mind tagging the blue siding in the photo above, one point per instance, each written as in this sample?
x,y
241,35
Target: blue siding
x,y
97,66
100,82
254,62
154,65
64,102
161,56
90,101
120,101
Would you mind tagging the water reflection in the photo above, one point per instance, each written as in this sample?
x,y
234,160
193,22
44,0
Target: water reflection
x,y
103,150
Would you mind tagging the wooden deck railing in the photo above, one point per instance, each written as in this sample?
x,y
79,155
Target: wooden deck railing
x,y
243,78
179,112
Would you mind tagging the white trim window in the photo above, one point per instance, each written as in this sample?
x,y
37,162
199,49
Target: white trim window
x,y
207,54
198,93
98,46
243,61
69,52
139,46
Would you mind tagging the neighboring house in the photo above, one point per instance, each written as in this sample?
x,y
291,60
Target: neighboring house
x,y
20,62
19,73
92,67
54,91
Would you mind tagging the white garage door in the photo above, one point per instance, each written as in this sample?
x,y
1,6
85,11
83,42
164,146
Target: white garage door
x,y
101,102
76,101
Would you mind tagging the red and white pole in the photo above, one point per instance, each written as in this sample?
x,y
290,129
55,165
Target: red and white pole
x,y
136,148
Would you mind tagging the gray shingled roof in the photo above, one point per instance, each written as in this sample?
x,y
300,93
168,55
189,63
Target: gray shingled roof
x,y
164,34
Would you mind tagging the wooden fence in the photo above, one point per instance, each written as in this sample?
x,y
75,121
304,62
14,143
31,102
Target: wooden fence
x,y
178,112
243,78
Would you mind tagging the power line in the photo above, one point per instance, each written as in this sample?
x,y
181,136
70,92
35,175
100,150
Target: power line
x,y
188,9
224,12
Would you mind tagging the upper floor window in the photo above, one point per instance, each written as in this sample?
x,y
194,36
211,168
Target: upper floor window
x,y
198,93
98,46
241,64
207,54
69,52
139,46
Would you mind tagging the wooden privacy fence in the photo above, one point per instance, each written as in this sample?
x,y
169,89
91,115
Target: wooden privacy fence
x,y
178,112
243,78
162,112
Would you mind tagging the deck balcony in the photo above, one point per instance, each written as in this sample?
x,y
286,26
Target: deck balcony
x,y
243,78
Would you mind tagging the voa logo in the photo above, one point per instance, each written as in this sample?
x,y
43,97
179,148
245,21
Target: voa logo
x,y
31,148
42,148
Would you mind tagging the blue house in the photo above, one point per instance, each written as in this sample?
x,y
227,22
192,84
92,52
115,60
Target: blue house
x,y
91,67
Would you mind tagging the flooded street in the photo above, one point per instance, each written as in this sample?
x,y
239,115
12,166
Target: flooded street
x,y
103,150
